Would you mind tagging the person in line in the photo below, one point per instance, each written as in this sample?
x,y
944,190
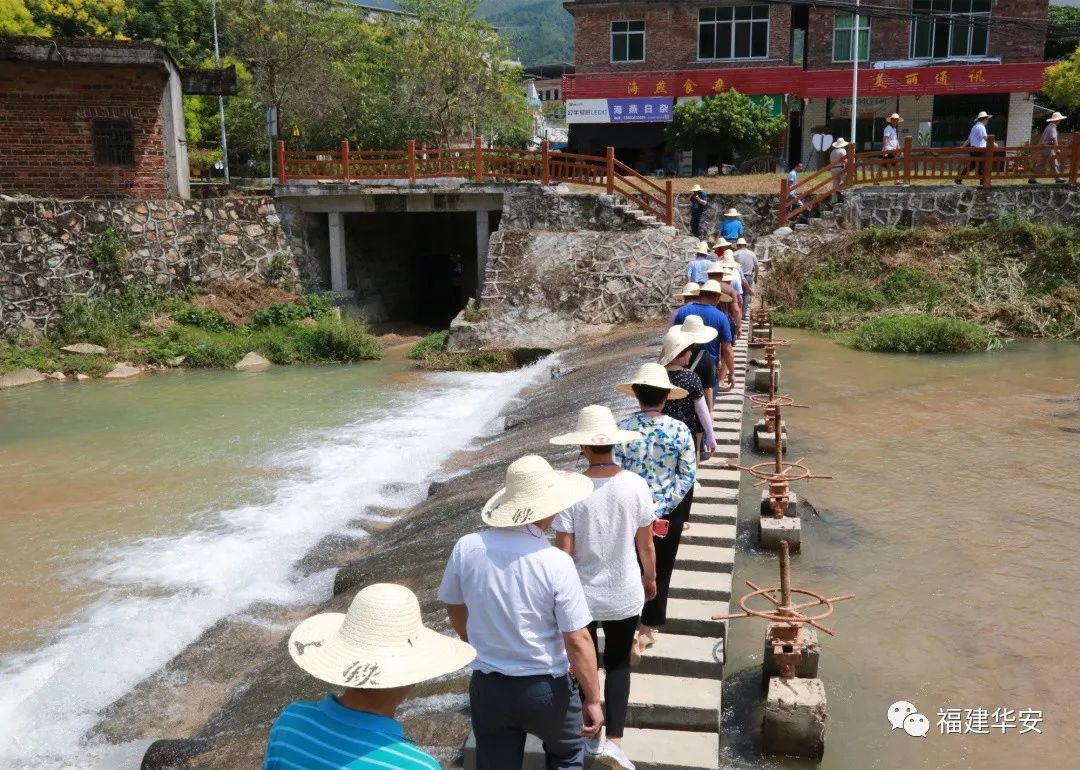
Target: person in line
x,y
376,652
731,228
890,148
608,534
794,202
695,271
712,295
838,155
726,271
748,265
976,140
699,204
688,295
1049,157
702,363
693,411
665,459
518,600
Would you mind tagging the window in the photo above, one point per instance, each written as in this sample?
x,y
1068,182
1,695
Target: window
x,y
628,41
944,28
114,142
733,32
844,37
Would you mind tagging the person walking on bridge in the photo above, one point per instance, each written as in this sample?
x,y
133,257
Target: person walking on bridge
x,y
977,141
838,156
1048,156
693,411
696,271
608,534
518,600
890,149
377,652
665,459
711,295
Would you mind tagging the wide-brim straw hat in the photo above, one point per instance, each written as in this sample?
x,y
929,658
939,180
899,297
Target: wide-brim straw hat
x,y
690,290
728,260
741,242
676,341
895,116
696,188
655,376
696,328
596,427
732,213
840,143
534,491
379,643
721,244
983,114
1055,118
715,287
702,248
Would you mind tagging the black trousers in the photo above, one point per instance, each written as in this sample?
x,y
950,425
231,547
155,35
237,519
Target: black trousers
x,y
654,613
695,222
618,640
974,164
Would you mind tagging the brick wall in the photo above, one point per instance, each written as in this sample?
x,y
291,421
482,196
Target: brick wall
x,y
46,118
670,36
1016,42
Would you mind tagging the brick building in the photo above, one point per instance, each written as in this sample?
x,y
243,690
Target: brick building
x,y
91,118
936,62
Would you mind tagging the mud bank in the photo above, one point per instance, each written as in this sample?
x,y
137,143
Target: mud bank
x,y
215,701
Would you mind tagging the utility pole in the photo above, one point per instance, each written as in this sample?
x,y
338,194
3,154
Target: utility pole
x,y
220,99
855,74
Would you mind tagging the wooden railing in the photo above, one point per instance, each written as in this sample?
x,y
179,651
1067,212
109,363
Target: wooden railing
x,y
944,164
479,163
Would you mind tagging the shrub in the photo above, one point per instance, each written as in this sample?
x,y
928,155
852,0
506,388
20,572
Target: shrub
x,y
878,240
193,315
200,347
921,334
911,286
281,313
842,293
107,321
109,254
277,268
332,339
434,342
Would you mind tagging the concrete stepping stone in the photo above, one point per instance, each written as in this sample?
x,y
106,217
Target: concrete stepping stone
x,y
673,702
711,476
648,749
693,617
713,512
708,533
697,657
703,586
705,558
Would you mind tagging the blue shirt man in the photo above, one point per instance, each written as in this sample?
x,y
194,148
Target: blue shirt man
x,y
697,270
732,227
712,316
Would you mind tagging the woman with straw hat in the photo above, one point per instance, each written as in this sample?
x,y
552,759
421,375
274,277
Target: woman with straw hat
x,y
1049,156
701,362
711,295
731,227
601,534
692,411
665,459
518,601
377,651
838,156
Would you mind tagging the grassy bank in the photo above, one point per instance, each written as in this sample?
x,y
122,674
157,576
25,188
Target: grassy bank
x,y
431,353
936,291
210,329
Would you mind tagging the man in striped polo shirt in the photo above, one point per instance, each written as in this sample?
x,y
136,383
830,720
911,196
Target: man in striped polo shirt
x,y
377,651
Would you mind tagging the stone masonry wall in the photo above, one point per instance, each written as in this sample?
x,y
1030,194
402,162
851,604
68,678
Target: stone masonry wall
x,y
952,206
45,248
758,212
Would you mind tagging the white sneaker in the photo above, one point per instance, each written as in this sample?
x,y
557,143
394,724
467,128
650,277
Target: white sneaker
x,y
593,746
613,756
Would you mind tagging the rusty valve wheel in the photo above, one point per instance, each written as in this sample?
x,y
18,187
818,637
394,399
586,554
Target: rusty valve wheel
x,y
764,401
779,471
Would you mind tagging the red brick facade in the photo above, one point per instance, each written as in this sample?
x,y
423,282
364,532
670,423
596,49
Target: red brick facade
x,y
671,30
46,120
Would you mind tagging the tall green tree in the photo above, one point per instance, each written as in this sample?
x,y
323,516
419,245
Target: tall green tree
x,y
729,125
1062,83
1063,34
82,18
15,19
184,27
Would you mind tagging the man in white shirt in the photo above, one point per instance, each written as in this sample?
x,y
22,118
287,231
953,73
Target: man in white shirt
x,y
518,601
976,140
890,148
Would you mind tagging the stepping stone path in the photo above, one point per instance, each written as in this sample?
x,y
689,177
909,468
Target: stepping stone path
x,y
675,693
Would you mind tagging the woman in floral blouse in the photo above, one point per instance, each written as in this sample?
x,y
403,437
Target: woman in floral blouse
x,y
665,459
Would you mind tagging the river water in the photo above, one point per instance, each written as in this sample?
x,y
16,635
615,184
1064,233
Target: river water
x,y
953,517
134,515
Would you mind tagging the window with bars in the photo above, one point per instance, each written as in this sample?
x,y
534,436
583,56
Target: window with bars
x,y
114,142
733,32
844,34
627,41
944,28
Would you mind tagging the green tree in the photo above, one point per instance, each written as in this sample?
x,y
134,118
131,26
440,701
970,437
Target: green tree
x,y
15,19
81,18
184,27
728,124
1063,34
1062,83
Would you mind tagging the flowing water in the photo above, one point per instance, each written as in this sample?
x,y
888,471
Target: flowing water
x,y
953,517
134,515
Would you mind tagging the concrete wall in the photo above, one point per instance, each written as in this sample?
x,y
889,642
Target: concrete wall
x,y
950,206
45,248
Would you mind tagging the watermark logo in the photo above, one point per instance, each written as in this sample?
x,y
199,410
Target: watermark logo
x,y
904,715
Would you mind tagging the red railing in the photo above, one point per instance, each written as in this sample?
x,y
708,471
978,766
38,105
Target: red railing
x,y
944,164
479,163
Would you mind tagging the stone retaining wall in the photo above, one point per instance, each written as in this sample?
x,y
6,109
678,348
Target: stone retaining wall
x,y
46,245
758,211
955,206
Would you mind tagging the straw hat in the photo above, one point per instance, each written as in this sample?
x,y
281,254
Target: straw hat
x,y
655,376
534,491
696,188
702,248
721,244
596,427
690,290
732,213
715,287
675,342
696,328
896,116
840,143
982,115
741,242
1055,118
379,643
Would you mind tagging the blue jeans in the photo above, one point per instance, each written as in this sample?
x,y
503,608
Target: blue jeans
x,y
507,708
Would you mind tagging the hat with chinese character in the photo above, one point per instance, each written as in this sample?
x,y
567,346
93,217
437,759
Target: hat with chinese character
x,y
840,143
690,290
715,287
732,213
534,491
1055,118
702,248
655,376
896,116
379,643
983,115
596,427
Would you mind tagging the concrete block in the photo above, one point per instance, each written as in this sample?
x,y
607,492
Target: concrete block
x,y
808,668
711,476
765,441
648,749
673,702
699,657
706,558
771,531
705,586
707,533
713,512
693,617
791,509
796,718
760,381
726,437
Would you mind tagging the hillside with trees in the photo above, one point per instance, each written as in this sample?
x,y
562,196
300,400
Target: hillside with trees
x,y
539,31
